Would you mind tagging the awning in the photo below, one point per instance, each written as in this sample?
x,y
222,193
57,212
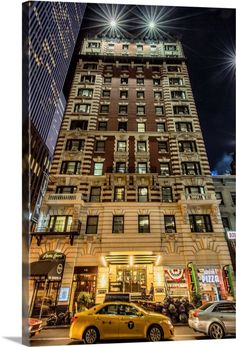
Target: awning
x,y
52,270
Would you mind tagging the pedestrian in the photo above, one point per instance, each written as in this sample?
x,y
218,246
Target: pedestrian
x,y
151,292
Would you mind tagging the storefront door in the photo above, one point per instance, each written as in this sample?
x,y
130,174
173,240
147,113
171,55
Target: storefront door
x,y
84,280
45,297
132,280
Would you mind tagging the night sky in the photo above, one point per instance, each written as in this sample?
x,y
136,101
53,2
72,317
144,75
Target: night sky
x,y
208,38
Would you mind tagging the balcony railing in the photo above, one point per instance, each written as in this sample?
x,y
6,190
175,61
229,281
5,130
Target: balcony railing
x,y
46,231
131,170
58,199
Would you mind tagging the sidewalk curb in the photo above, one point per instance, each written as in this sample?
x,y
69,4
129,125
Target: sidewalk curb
x,y
45,327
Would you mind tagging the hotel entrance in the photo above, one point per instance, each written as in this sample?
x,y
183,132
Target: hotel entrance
x,y
129,279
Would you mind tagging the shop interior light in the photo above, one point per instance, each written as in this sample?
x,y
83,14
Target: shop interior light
x,y
131,260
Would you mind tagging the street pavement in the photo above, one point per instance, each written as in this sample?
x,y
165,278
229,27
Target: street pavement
x,y
59,336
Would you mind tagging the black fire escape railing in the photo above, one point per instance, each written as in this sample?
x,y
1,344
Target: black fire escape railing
x,y
46,231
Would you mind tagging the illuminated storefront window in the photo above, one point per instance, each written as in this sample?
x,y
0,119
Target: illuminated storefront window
x,y
176,282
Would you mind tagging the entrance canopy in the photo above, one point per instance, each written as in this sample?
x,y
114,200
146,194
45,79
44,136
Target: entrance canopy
x,y
132,259
50,269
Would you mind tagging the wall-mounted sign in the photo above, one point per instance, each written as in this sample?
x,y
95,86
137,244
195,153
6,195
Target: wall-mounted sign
x,y
64,294
52,255
208,275
231,235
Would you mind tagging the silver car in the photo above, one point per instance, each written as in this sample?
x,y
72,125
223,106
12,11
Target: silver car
x,y
215,319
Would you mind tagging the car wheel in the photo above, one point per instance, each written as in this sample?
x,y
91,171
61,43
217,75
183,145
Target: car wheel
x,y
154,333
90,335
216,331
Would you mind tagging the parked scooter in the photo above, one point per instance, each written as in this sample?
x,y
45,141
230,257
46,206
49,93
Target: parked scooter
x,y
60,318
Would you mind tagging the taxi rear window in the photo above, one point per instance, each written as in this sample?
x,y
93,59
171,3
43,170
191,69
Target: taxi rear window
x,y
108,309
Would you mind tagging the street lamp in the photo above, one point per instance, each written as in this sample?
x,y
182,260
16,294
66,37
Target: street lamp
x,y
113,23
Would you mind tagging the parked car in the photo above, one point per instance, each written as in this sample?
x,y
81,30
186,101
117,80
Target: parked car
x,y
35,326
215,319
119,320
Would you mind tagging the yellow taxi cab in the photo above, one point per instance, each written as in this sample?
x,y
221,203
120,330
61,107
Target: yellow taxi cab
x,y
119,320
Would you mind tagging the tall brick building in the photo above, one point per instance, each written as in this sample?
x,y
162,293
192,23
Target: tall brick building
x,y
130,201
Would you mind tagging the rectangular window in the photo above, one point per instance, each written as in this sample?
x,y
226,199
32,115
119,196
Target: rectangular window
x,y
175,81
143,224
161,127
93,44
125,47
98,169
139,48
200,223
121,146
121,167
191,168
174,69
85,93
195,192
123,109
107,80
66,189
119,194
142,168
164,169
170,48
90,66
87,79
167,194
92,225
83,108
104,109
181,109
153,48
75,145
118,224
141,127
124,94
60,224
142,194
140,81
184,126
156,81
95,194
141,146
124,68
122,126
79,124
162,146
100,146
70,167
233,197
102,126
187,146
140,94
124,80
158,95
140,110
159,110
178,94
170,226
106,93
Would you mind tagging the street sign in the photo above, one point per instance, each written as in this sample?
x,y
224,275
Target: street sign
x,y
231,235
